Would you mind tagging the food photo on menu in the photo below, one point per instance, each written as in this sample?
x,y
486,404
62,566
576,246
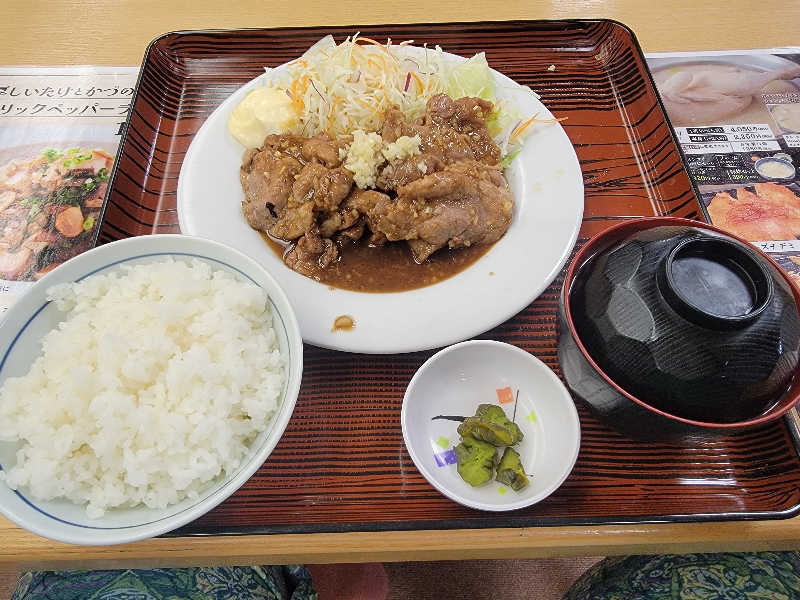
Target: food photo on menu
x,y
59,132
50,203
736,116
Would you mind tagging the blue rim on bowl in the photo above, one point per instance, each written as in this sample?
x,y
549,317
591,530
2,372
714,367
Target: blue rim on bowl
x,y
28,320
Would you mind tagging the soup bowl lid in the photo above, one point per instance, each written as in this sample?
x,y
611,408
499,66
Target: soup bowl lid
x,y
687,321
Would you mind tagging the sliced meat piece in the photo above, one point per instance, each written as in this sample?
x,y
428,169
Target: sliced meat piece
x,y
364,201
371,204
377,239
465,204
325,188
266,177
352,234
322,149
294,222
446,143
316,191
394,218
470,188
14,230
401,172
467,116
451,131
311,253
395,126
422,249
344,218
285,145
439,140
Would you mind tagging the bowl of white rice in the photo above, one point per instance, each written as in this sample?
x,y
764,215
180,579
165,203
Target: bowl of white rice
x,y
141,384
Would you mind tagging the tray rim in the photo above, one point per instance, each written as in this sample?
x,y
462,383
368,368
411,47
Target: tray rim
x,y
478,524
791,421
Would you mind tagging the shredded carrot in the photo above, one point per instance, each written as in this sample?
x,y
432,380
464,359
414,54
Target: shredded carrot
x,y
379,66
357,76
336,101
518,131
297,94
370,41
362,103
418,80
383,47
522,127
304,82
330,119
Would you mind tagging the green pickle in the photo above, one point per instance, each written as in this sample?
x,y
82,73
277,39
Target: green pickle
x,y
510,471
475,460
491,425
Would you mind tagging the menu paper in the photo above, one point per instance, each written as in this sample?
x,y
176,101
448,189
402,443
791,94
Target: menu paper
x,y
736,116
60,128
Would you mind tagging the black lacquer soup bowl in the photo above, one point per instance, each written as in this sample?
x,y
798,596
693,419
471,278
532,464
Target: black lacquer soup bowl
x,y
670,326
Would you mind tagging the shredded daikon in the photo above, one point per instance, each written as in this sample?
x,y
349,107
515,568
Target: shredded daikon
x,y
340,88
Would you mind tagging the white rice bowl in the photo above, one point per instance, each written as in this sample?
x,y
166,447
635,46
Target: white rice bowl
x,y
143,395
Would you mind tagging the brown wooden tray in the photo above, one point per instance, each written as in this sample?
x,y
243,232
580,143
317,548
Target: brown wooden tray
x,y
342,464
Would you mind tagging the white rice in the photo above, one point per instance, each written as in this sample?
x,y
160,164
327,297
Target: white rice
x,y
153,386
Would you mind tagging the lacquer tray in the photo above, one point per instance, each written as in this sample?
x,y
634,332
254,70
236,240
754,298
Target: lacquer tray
x,y
342,464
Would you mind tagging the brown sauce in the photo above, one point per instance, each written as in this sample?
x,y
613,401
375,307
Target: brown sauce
x,y
389,268
343,323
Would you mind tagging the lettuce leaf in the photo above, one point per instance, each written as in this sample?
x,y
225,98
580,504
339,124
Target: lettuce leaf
x,y
472,78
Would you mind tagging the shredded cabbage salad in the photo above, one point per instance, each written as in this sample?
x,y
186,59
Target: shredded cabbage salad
x,y
339,88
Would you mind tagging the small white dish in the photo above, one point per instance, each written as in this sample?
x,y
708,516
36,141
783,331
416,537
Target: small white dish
x,y
547,185
458,379
30,318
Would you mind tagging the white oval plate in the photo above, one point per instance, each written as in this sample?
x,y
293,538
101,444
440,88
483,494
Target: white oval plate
x,y
455,381
547,185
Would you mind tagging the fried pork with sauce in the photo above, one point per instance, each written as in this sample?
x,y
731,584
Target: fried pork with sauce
x,y
449,194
